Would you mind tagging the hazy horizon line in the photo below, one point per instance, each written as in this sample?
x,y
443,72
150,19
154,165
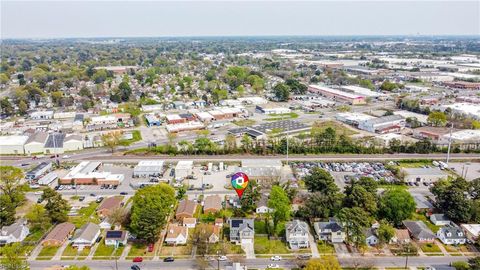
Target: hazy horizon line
x,y
245,36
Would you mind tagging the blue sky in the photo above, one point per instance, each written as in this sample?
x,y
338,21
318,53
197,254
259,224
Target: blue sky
x,y
57,19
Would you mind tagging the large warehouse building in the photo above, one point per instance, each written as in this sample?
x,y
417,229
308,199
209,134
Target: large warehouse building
x,y
12,145
147,168
88,173
337,95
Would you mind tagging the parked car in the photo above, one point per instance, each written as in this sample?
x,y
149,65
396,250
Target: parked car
x,y
81,198
304,257
135,267
138,259
276,258
169,259
92,194
99,199
222,258
123,193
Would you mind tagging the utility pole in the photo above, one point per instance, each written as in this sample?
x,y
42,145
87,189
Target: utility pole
x,y
406,258
449,144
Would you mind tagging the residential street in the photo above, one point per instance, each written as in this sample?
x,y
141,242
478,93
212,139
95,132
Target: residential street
x,y
258,263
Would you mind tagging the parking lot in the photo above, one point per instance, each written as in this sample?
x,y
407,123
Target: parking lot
x,y
344,172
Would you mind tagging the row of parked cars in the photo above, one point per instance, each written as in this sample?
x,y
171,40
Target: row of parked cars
x,y
375,170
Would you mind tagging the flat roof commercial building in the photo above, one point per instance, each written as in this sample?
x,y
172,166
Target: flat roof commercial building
x,y
38,171
147,168
385,124
87,173
183,169
337,95
48,179
353,118
12,145
271,109
362,91
285,127
152,120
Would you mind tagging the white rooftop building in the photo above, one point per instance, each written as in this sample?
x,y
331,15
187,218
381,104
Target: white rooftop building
x,y
467,109
147,168
362,91
353,118
13,144
183,169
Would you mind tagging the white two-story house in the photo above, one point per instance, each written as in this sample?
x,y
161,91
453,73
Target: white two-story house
x,y
297,234
241,230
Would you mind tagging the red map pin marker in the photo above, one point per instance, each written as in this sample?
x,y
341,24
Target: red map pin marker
x,y
239,183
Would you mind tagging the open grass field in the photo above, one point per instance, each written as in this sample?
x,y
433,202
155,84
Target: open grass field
x,y
263,245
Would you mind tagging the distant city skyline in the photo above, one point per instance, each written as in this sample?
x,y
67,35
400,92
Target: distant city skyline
x,y
89,19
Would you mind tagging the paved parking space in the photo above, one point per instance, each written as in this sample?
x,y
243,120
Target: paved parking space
x,y
469,170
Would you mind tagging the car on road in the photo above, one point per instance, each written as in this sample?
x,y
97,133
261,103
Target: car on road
x,y
99,199
276,258
135,267
92,194
304,257
273,266
66,156
123,193
25,164
138,259
169,259
222,258
81,198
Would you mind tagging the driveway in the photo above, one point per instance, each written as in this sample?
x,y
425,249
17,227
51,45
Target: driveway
x,y
341,250
249,250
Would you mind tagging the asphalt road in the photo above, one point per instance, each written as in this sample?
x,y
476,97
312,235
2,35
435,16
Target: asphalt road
x,y
257,263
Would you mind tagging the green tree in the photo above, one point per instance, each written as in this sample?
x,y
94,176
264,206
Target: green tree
x,y
6,106
11,193
320,180
474,263
358,196
385,233
250,196
437,119
281,92
324,263
396,205
452,198
22,107
14,257
321,205
111,140
37,218
56,207
461,265
150,208
355,221
280,203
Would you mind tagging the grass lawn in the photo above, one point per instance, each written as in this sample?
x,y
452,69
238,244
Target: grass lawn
x,y
139,250
35,235
284,116
136,136
47,253
324,247
85,214
176,250
422,217
244,123
430,247
225,248
265,246
71,252
260,227
338,127
103,250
